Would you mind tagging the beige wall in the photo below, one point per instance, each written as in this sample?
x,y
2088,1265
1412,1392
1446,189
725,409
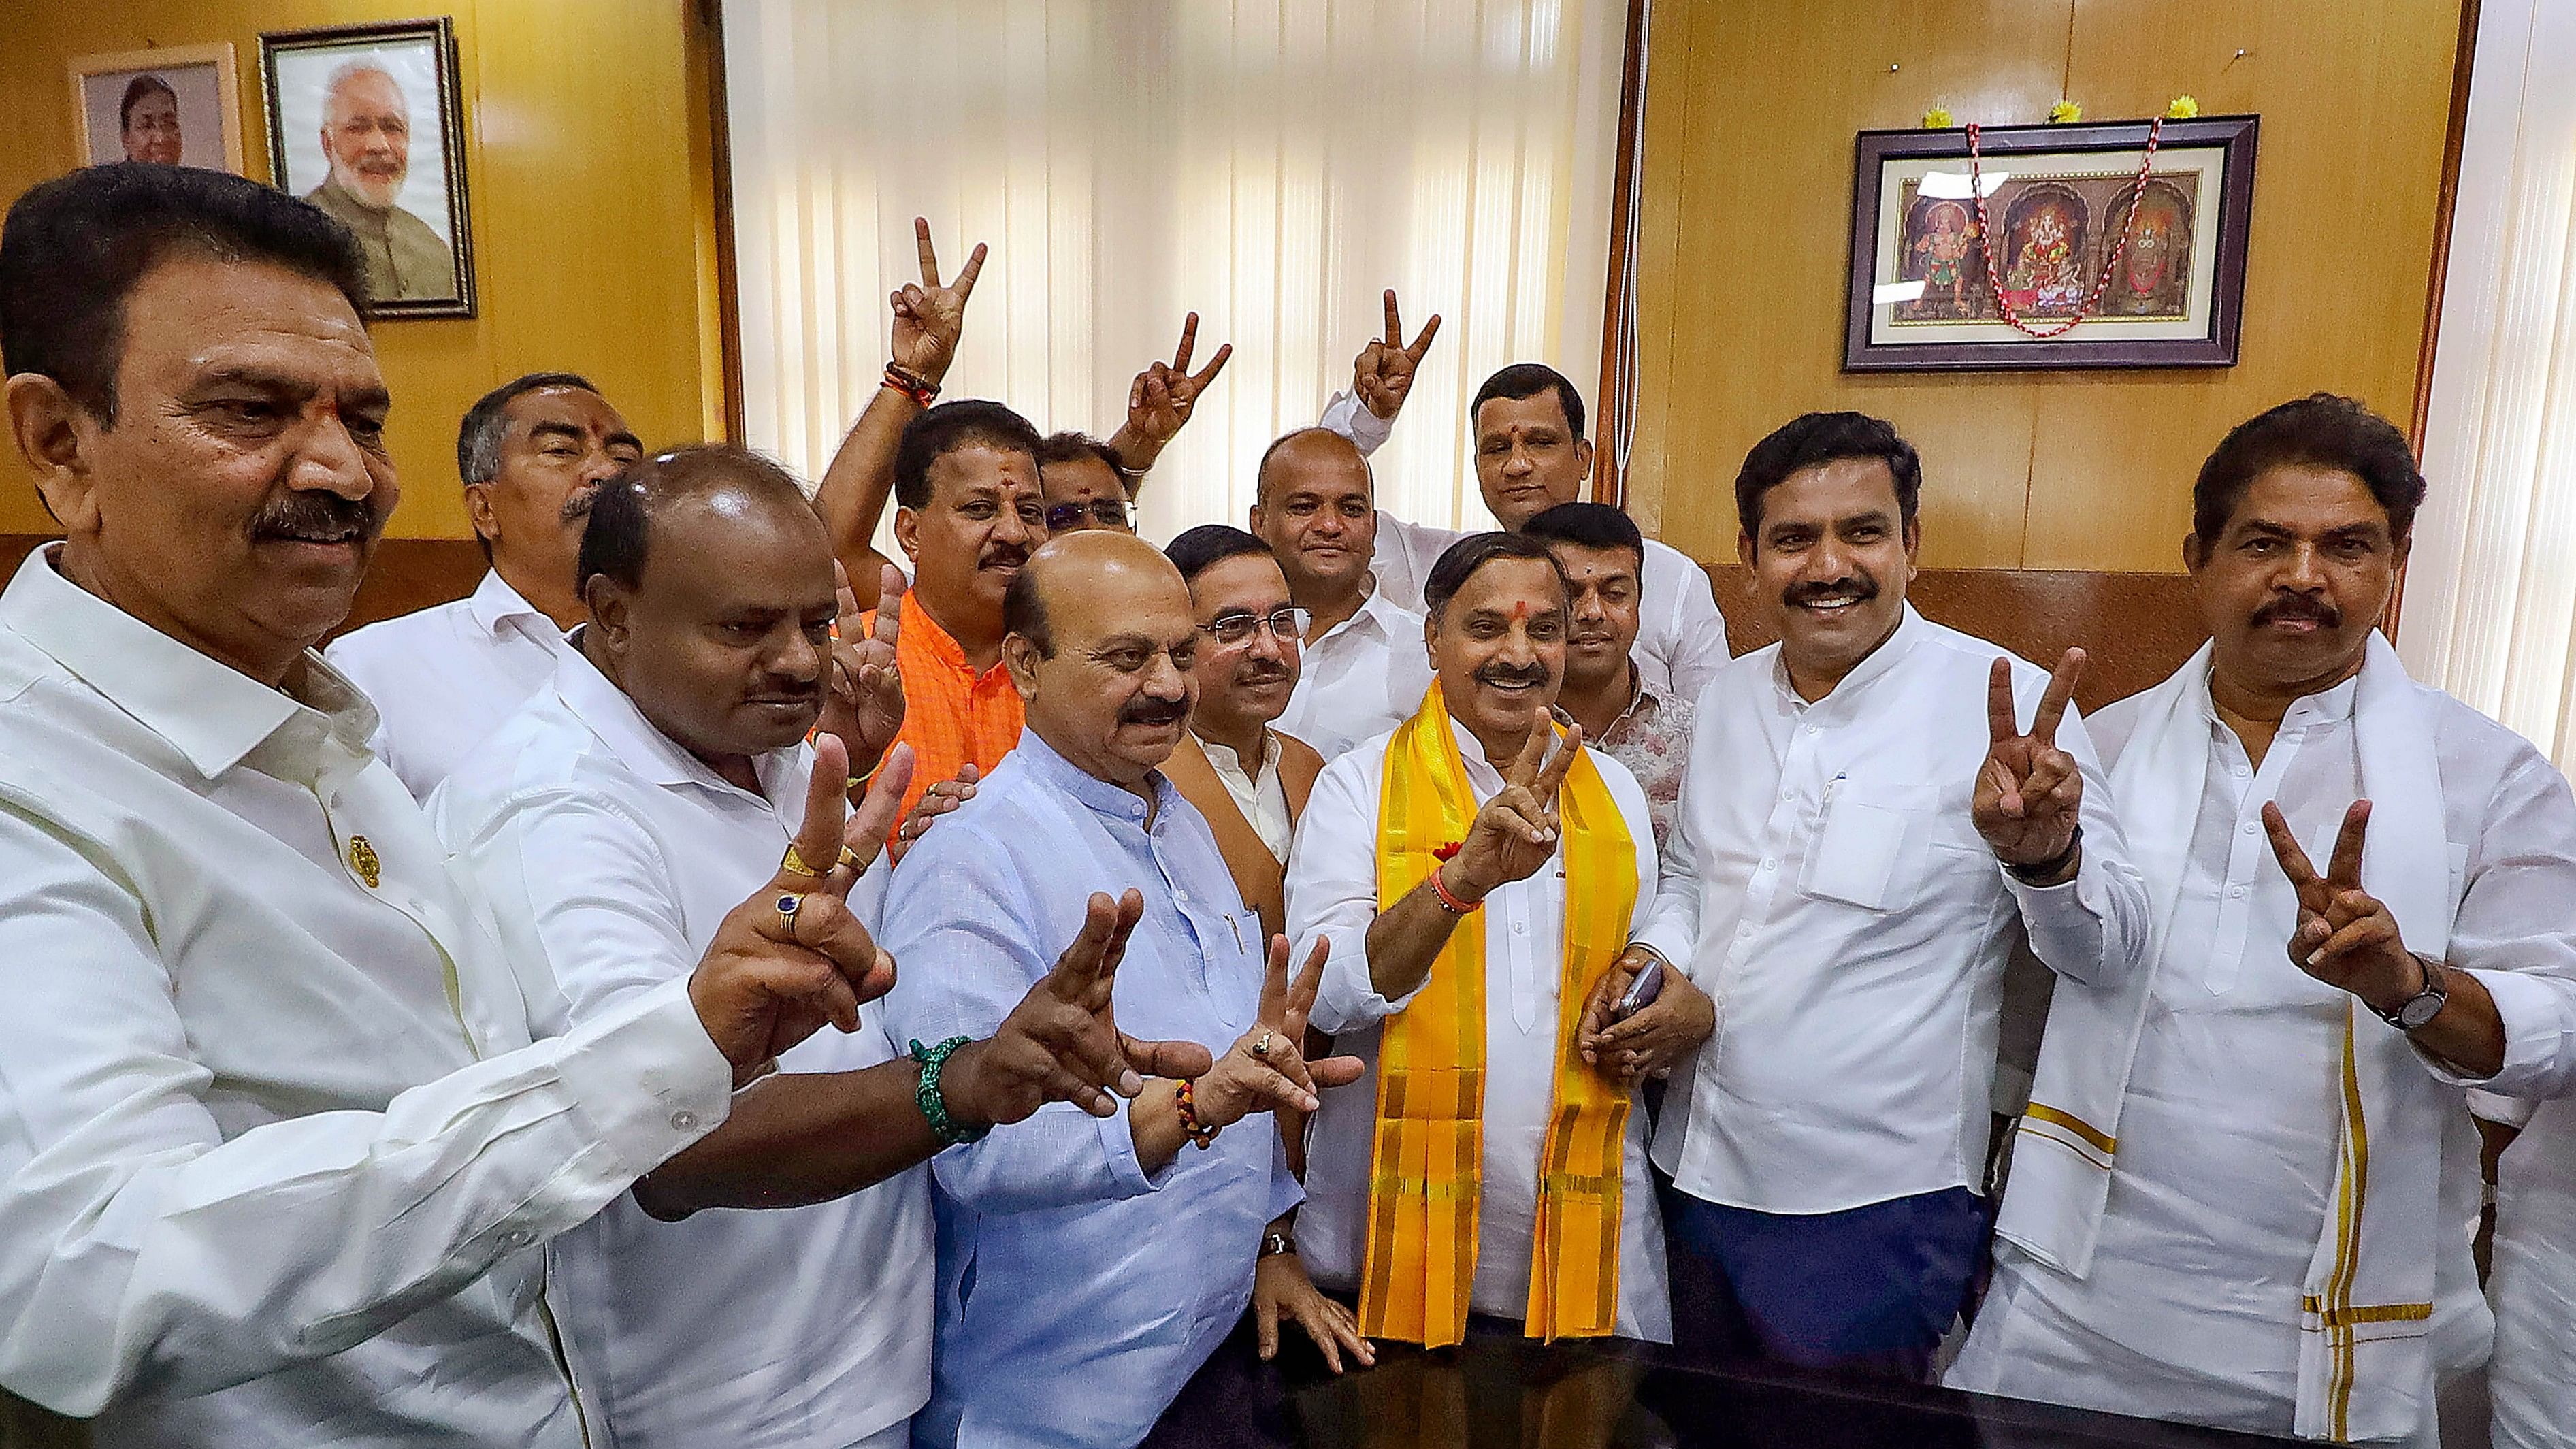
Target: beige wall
x,y
590,183
1751,110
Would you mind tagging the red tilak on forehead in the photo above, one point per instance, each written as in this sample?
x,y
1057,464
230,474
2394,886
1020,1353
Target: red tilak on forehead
x,y
1520,610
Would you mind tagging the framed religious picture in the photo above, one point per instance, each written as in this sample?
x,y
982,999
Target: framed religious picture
x,y
2118,245
175,104
364,122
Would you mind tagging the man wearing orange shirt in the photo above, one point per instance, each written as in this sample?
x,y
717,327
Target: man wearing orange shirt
x,y
968,512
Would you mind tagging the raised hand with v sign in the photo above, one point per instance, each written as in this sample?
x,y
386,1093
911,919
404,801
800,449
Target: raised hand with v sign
x,y
2030,793
1382,375
2346,937
1163,396
793,956
928,317
1514,833
863,695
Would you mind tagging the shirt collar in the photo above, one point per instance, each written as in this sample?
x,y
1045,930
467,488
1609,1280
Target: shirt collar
x,y
1842,703
494,603
640,746
209,712
1224,757
1090,791
2332,705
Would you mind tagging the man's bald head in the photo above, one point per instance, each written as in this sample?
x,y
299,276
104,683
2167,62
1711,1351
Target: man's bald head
x,y
1310,453
1100,639
1315,505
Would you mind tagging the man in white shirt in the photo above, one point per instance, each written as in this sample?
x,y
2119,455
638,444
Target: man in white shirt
x,y
2243,1190
533,453
660,775
1363,668
279,1155
1472,898
1531,455
1866,835
2531,1383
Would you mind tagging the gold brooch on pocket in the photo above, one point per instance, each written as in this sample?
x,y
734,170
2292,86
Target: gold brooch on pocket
x,y
363,860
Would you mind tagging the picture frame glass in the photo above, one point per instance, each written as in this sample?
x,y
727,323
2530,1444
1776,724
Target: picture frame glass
x,y
303,80
181,120
2056,219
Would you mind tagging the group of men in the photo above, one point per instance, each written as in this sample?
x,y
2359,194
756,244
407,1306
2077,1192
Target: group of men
x,y
421,1041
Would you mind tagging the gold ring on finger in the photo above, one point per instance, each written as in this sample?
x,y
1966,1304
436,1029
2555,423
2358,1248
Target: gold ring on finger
x,y
1261,1046
794,863
787,906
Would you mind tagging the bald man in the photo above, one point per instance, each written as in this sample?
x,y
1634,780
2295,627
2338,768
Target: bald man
x,y
1365,666
366,137
1100,1256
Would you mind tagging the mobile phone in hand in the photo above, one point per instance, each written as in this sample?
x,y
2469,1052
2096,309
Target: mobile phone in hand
x,y
1641,992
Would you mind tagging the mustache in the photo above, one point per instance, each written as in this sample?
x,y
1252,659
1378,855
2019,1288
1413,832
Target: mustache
x,y
1153,712
2297,606
1512,675
578,506
1003,555
1262,671
306,515
1859,588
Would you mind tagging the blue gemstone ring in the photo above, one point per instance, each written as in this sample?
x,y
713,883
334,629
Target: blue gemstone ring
x,y
786,906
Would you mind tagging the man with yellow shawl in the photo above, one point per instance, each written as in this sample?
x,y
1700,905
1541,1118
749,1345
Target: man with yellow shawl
x,y
1476,878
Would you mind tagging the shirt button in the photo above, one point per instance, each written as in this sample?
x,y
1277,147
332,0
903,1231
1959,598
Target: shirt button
x,y
1520,928
1743,931
1810,730
1769,864
2251,827
2236,893
517,1238
684,1121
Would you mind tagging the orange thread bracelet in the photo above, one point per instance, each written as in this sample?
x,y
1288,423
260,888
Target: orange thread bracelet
x,y
1197,1131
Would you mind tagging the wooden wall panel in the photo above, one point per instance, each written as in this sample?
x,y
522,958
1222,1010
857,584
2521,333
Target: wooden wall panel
x,y
1750,113
591,193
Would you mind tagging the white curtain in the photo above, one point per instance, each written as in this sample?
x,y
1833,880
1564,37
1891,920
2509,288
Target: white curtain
x,y
1270,164
2490,608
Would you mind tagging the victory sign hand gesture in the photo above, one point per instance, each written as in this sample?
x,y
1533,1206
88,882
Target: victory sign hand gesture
x,y
2346,937
1515,832
2029,792
1382,375
1164,395
927,316
863,695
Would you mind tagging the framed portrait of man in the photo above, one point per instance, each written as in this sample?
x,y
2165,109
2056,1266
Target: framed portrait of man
x,y
365,123
174,104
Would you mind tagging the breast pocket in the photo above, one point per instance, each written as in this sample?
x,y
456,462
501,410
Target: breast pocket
x,y
1861,855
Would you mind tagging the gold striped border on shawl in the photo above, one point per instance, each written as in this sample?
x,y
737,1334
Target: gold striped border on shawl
x,y
2088,1141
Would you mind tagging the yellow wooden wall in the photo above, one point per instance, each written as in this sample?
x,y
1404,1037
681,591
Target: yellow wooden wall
x,y
1751,110
589,167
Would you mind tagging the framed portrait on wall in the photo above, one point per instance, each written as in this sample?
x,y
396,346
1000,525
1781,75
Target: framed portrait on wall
x,y
364,122
175,104
2082,251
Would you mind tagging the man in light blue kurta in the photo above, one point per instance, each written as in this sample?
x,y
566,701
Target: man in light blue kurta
x,y
1087,1266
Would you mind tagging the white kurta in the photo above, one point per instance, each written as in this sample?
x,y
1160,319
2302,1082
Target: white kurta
x,y
2228,1133
1827,886
1332,892
276,1155
445,677
1364,677
611,854
2532,1381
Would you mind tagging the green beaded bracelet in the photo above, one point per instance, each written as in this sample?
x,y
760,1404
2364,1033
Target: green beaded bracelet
x,y
925,1093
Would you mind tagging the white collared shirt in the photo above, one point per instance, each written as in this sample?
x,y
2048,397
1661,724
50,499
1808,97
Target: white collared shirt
x,y
1261,796
1827,887
613,854
2228,1133
1364,677
445,677
1332,893
276,1155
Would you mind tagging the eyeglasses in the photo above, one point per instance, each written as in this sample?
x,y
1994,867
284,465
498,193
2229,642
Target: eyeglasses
x,y
1105,512
1288,625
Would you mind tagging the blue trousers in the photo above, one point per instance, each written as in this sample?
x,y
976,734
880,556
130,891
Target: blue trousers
x,y
1870,1288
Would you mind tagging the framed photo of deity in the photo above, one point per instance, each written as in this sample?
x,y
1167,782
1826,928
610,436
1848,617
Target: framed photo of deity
x,y
174,104
364,122
2114,245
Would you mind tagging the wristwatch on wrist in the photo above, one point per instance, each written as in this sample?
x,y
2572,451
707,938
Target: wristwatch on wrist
x,y
1274,1244
2419,1009
2031,875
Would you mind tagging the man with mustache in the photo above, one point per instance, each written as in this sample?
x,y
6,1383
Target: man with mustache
x,y
366,138
1087,1268
282,1156
1531,455
656,777
1362,668
1867,834
1473,880
148,121
1605,691
533,453
2243,1190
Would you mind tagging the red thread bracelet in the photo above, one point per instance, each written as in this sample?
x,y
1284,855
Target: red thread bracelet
x,y
1448,901
1198,1132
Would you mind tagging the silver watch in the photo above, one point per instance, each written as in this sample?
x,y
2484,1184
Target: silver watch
x,y
2419,1009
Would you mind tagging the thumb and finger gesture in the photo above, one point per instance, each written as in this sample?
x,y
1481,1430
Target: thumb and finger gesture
x,y
1515,831
1062,1043
1382,375
2029,792
1266,1068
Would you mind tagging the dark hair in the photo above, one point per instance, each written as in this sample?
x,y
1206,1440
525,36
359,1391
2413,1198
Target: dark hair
x,y
2320,430
619,534
1459,562
1526,380
1819,438
1590,525
1072,447
966,423
1210,544
74,248
1261,470
135,90
478,438
1024,612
